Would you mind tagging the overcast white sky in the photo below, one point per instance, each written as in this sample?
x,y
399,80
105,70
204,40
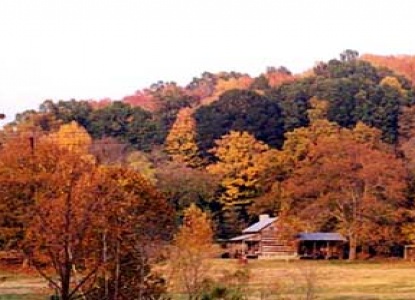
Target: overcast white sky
x,y
83,49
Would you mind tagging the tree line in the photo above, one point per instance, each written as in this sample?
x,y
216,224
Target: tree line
x,y
327,150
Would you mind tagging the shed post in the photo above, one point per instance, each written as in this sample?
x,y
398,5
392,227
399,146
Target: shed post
x,y
327,250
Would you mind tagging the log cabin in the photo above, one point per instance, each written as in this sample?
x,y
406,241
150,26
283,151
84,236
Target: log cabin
x,y
263,240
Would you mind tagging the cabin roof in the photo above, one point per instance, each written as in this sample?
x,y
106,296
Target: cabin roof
x,y
258,226
321,236
243,237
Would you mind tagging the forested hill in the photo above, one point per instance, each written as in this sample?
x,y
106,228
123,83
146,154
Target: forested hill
x,y
373,89
233,143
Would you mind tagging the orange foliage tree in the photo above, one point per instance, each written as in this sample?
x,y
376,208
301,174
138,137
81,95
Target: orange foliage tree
x,y
402,64
66,217
80,219
349,186
278,76
142,99
17,186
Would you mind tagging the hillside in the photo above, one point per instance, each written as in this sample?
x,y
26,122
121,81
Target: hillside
x,y
233,144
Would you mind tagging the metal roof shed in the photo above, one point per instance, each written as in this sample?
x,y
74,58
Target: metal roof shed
x,y
321,236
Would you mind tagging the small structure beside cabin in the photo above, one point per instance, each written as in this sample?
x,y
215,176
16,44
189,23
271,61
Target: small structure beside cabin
x,y
321,245
263,239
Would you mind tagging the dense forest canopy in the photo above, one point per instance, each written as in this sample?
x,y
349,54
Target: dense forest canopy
x,y
238,146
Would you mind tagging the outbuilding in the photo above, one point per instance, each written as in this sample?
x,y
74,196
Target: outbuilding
x,y
264,239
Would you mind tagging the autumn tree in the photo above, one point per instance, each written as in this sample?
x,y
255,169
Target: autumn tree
x,y
296,149
227,84
192,247
299,141
393,82
278,76
138,223
401,64
64,217
180,143
240,161
318,109
73,137
101,103
350,187
273,194
170,99
202,87
58,206
17,189
143,99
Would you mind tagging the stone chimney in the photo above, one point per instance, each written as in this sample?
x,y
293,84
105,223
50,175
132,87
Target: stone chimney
x,y
263,217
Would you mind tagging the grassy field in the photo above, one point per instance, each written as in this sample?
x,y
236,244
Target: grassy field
x,y
15,285
326,279
269,279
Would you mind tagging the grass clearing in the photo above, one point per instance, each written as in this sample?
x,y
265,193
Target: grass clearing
x,y
18,285
23,297
271,279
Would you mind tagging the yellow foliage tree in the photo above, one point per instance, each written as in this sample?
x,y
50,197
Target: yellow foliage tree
x,y
241,83
241,161
365,134
73,137
227,84
393,82
298,141
193,245
318,110
181,142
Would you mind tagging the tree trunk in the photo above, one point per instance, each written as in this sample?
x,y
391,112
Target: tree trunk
x,y
140,292
352,248
104,259
66,281
117,269
67,263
